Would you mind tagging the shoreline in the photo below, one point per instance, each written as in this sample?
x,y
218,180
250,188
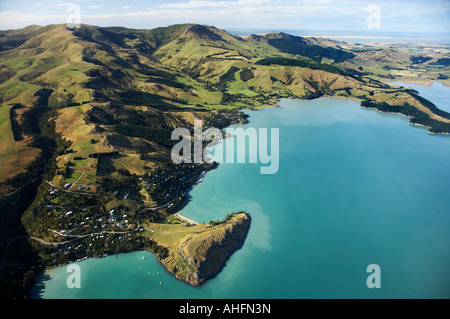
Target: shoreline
x,y
411,124
186,219
190,188
46,271
423,81
177,210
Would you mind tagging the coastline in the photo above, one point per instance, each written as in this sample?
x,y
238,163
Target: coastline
x,y
201,256
411,124
187,191
178,208
424,82
186,219
215,273
211,286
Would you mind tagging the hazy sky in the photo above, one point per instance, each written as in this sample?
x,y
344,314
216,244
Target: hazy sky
x,y
394,15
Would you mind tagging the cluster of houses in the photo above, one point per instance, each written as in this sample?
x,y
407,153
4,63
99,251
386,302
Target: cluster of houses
x,y
101,222
102,239
52,190
79,187
117,192
113,218
165,184
84,187
223,119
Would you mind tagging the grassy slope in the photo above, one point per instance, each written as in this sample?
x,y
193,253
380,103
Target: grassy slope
x,y
55,57
71,124
52,58
194,54
188,246
14,156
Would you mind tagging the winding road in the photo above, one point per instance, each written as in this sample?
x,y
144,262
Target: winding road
x,y
75,237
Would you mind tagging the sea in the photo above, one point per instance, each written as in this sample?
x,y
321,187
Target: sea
x,y
355,188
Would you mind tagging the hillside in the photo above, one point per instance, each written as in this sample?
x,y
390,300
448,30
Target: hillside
x,y
86,117
197,253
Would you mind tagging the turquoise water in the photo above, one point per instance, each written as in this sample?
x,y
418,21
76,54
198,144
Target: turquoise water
x,y
355,187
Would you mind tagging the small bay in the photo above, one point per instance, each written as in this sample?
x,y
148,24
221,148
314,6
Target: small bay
x,y
355,187
436,92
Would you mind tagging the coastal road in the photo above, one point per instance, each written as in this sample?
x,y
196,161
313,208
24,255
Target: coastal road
x,y
82,236
43,242
2,263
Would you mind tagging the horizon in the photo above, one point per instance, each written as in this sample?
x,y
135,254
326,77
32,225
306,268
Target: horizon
x,y
345,36
245,31
403,17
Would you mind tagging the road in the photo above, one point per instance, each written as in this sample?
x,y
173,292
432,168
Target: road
x,y
75,237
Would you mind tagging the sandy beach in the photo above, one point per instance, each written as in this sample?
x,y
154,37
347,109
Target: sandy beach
x,y
186,219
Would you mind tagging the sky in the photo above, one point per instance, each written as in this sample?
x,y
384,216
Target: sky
x,y
413,16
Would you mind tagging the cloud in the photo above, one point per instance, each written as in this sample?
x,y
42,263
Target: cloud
x,y
213,4
278,14
13,19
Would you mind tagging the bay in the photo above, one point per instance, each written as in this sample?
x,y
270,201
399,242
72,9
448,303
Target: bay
x,y
355,187
436,92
